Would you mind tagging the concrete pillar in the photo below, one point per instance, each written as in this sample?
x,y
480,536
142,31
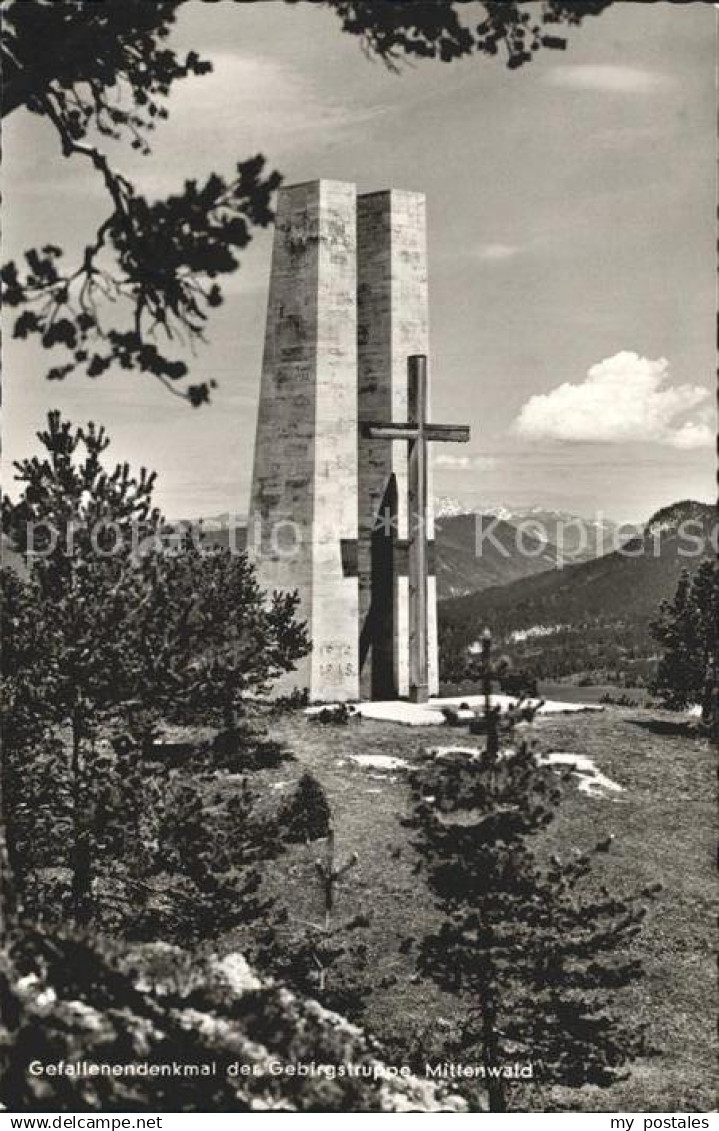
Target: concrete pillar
x,y
303,522
393,323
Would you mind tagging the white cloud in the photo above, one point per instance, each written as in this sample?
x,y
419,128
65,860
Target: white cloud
x,y
608,78
464,463
624,398
693,434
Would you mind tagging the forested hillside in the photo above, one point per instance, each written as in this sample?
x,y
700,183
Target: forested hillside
x,y
594,616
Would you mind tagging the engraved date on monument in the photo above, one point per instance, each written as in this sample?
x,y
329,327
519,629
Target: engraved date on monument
x,y
336,660
331,670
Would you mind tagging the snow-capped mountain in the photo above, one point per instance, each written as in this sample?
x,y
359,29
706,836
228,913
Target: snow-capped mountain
x,y
445,506
577,537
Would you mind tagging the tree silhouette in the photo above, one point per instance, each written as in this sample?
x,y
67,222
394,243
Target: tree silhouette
x,y
437,29
150,274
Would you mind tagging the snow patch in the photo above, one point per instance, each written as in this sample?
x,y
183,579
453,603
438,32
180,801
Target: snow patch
x,y
591,779
536,630
379,761
430,714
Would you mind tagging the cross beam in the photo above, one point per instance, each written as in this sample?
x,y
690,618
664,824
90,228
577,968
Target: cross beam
x,y
417,432
456,433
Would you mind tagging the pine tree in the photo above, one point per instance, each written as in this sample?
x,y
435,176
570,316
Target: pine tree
x,y
225,640
687,628
538,958
108,632
78,527
25,713
326,958
306,815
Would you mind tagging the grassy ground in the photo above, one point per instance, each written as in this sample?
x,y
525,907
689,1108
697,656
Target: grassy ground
x,y
565,691
663,824
568,692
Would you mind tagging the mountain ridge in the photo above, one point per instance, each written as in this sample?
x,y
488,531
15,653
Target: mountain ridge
x,y
598,611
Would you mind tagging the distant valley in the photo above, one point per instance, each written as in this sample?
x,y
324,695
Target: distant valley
x,y
553,605
478,551
593,616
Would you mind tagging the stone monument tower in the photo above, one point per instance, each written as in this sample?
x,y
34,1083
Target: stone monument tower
x,y
304,486
393,324
339,510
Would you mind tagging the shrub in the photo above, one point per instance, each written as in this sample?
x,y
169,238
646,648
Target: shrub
x,y
340,715
519,682
618,700
306,815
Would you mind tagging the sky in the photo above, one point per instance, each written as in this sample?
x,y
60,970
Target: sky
x,y
571,251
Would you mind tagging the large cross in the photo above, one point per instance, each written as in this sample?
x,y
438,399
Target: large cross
x,y
417,432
